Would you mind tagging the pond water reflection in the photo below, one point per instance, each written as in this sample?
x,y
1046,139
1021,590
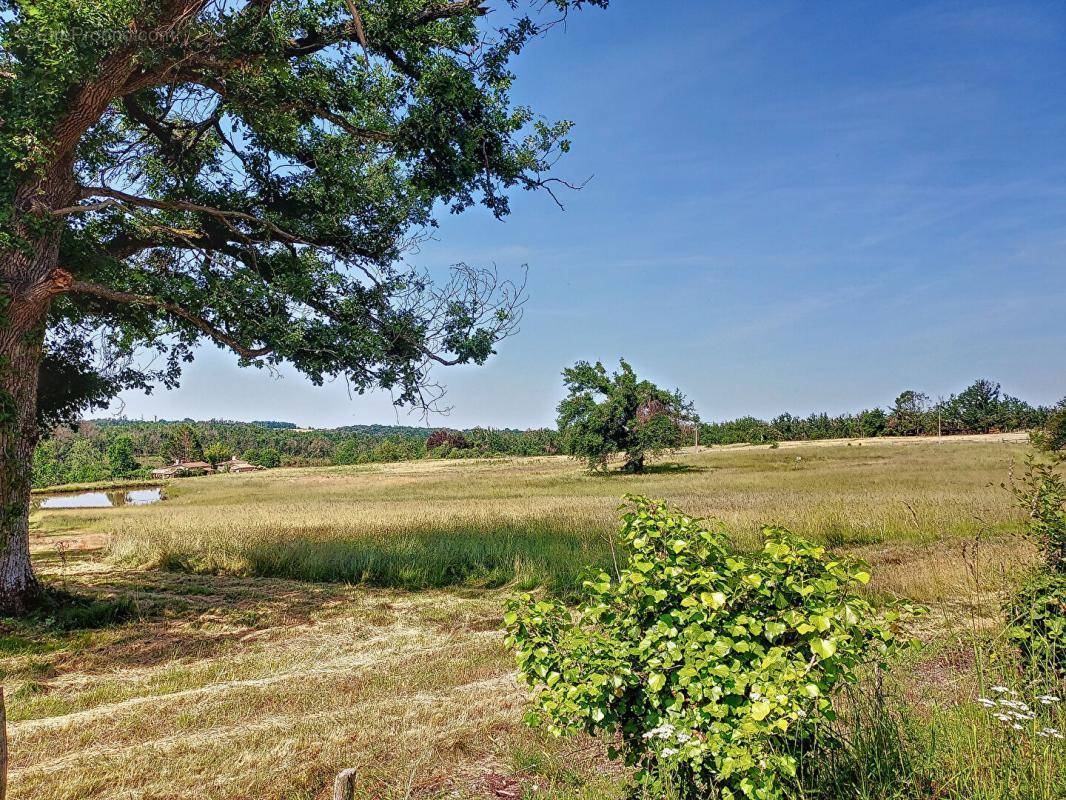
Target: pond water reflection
x,y
131,497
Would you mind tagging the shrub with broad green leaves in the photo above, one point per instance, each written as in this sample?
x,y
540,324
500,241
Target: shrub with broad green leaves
x,y
1040,491
1036,614
711,667
1036,622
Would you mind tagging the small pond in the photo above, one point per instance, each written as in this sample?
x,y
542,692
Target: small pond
x,y
130,497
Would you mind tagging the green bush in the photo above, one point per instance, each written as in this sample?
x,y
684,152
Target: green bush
x,y
1036,616
1036,613
712,667
1052,436
1041,493
269,457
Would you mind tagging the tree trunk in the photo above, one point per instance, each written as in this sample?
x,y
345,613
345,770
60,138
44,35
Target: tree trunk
x,y
22,324
634,465
3,746
29,278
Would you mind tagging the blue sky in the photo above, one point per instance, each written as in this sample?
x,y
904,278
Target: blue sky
x,y
794,206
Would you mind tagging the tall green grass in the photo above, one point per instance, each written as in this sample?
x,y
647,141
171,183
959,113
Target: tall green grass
x,y
889,744
482,554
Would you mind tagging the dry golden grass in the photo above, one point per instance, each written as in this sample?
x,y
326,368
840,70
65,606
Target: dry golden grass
x,y
240,682
912,508
265,689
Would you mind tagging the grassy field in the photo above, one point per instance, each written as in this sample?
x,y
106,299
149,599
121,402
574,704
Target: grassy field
x,y
289,624
909,507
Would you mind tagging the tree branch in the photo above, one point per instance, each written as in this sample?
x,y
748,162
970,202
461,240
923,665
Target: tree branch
x,y
73,285
367,134
181,205
92,97
354,31
441,11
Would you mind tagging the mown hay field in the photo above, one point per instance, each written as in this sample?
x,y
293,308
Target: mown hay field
x,y
292,623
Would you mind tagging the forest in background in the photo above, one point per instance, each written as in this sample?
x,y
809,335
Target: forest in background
x,y
118,448
983,407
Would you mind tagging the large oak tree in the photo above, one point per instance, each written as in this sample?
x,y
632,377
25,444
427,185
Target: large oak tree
x,y
248,172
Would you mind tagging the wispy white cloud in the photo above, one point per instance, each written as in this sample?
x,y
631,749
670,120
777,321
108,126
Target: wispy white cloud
x,y
1016,20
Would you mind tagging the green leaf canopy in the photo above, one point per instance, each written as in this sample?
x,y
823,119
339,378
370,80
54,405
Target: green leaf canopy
x,y
255,173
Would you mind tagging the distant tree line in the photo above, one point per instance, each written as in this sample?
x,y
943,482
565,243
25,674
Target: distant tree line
x,y
116,449
982,407
121,449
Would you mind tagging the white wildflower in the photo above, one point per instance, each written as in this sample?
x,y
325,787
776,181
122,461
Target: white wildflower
x,y
1000,689
664,731
1015,704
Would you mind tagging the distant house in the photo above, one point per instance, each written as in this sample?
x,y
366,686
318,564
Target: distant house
x,y
236,465
183,468
194,467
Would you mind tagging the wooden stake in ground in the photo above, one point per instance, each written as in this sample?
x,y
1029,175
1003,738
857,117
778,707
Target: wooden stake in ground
x,y
343,785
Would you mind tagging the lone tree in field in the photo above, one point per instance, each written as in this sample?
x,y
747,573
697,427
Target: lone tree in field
x,y
605,414
247,172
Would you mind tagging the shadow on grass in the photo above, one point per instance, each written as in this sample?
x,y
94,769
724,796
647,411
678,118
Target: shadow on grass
x,y
170,610
57,613
668,468
473,555
53,559
68,611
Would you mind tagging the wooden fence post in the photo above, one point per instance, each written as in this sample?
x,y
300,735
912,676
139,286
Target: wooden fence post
x,y
343,785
